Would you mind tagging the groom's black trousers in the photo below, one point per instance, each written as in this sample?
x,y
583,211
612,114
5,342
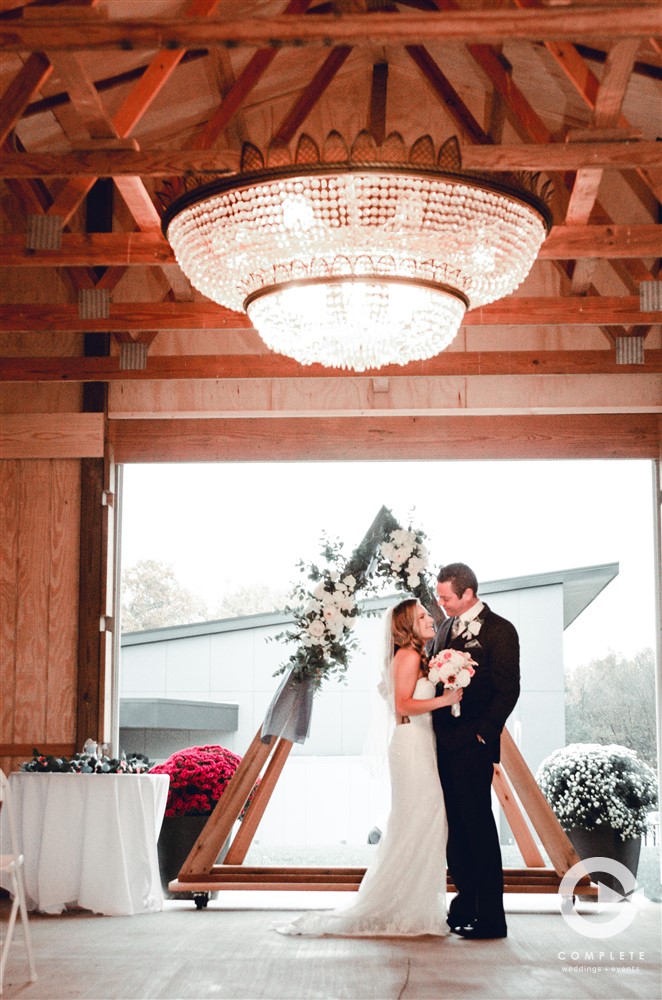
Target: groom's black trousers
x,y
473,851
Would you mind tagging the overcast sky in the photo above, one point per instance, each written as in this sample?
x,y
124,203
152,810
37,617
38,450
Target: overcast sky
x,y
226,526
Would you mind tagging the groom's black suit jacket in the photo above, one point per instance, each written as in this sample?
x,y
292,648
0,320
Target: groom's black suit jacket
x,y
494,689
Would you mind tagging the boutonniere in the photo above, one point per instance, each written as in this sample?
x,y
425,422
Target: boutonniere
x,y
471,631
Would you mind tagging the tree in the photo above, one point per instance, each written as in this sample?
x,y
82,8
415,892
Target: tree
x,y
152,597
612,700
250,600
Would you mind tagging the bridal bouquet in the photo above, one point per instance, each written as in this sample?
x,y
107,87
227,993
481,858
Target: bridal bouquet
x,y
454,669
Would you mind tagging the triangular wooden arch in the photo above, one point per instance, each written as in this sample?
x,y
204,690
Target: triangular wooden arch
x,y
265,759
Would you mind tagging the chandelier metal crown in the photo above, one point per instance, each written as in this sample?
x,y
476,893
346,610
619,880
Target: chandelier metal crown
x,y
357,258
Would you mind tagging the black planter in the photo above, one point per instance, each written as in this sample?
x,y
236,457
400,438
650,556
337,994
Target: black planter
x,y
177,837
604,842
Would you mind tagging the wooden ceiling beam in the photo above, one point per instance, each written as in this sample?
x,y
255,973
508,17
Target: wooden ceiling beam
x,y
58,98
526,122
98,125
451,100
311,94
636,19
623,392
96,122
232,101
606,112
34,72
271,366
83,95
530,126
512,311
139,203
378,102
606,435
587,85
34,199
609,241
617,155
7,5
94,249
157,74
522,116
133,106
242,86
151,249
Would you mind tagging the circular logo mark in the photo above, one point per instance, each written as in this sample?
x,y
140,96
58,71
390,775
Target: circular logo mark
x,y
619,917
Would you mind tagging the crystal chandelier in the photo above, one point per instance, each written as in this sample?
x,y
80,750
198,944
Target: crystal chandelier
x,y
356,259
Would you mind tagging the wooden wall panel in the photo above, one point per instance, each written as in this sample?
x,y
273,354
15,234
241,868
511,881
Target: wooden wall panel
x,y
34,535
9,478
39,607
63,589
46,435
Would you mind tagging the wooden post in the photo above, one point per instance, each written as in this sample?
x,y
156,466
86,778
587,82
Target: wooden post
x,y
560,850
527,845
219,825
255,811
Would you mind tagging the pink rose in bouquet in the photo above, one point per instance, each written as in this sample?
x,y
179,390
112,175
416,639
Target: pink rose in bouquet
x,y
454,669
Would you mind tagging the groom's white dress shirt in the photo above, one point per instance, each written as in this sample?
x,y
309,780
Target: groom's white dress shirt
x,y
462,620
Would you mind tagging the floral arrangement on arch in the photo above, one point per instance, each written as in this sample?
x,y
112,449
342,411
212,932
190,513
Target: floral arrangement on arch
x,y
326,612
198,778
324,616
403,558
591,784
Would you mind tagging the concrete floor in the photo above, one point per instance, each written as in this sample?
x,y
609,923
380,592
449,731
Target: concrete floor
x,y
229,952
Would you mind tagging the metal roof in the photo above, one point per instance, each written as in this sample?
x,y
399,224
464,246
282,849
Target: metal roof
x,y
580,587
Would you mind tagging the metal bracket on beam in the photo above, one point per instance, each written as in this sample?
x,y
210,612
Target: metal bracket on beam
x,y
94,303
133,355
630,350
380,384
44,232
650,296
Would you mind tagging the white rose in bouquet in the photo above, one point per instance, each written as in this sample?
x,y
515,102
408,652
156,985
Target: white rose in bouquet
x,y
316,628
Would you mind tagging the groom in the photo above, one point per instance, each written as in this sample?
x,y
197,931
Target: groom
x,y
467,748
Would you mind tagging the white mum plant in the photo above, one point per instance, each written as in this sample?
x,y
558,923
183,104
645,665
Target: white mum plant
x,y
590,785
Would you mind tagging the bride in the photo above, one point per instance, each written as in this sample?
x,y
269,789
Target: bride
x,y
403,890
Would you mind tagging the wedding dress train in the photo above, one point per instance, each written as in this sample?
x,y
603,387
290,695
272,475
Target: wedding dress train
x,y
403,892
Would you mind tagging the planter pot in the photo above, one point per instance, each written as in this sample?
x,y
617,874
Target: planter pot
x,y
604,842
177,837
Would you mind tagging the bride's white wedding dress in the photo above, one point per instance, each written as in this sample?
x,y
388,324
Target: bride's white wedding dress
x,y
403,892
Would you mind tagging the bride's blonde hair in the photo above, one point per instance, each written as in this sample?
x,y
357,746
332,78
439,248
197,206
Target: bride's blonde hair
x,y
404,629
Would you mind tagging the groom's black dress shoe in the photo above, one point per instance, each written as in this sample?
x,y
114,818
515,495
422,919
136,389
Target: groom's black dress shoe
x,y
482,932
457,926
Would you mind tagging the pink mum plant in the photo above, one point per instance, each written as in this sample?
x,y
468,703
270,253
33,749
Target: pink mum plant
x,y
198,778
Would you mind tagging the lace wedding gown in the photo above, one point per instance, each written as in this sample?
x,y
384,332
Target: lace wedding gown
x,y
403,892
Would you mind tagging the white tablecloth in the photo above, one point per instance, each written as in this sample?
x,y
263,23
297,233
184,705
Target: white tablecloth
x,y
89,840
